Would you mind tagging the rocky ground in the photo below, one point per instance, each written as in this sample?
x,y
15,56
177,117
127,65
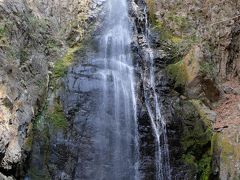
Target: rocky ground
x,y
228,109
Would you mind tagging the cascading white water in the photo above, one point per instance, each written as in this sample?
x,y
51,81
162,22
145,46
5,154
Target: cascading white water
x,y
115,141
101,101
118,66
163,170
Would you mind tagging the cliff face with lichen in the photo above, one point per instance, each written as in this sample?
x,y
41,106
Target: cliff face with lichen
x,y
204,41
34,38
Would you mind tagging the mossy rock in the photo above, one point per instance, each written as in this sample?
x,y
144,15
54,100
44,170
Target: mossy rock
x,y
195,131
205,167
226,149
22,55
195,140
178,73
28,142
180,43
61,66
2,30
7,103
56,117
165,34
204,112
207,69
36,174
151,10
190,161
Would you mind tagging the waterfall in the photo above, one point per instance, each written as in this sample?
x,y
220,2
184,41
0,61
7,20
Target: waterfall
x,y
107,83
108,120
118,67
100,103
163,170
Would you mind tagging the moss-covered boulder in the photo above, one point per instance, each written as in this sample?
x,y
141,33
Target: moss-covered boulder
x,y
226,150
192,76
195,138
186,73
178,74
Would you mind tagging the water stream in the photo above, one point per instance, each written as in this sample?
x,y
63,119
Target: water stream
x,y
163,170
107,83
107,139
109,78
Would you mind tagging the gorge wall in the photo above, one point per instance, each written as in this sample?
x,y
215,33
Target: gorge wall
x,y
195,48
33,36
204,70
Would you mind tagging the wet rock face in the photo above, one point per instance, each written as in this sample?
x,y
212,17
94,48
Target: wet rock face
x,y
188,123
81,98
146,101
147,146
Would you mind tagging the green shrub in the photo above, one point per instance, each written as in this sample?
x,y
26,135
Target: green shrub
x,y
52,44
196,140
151,10
205,167
178,73
3,35
180,21
2,30
23,55
61,66
207,69
56,117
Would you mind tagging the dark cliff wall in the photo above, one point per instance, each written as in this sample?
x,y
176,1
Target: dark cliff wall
x,y
204,71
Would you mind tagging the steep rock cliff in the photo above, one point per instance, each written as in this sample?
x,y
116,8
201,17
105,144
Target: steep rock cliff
x,y
34,35
203,37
